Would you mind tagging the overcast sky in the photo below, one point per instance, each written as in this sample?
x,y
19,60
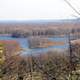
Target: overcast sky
x,y
37,9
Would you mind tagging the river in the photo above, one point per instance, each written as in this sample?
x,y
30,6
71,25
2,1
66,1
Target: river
x,y
24,44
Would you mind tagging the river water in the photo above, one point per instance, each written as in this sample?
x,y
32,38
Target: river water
x,y
24,44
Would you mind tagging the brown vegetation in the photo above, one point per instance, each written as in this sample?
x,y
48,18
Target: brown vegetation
x,y
34,29
76,42
49,66
40,42
11,46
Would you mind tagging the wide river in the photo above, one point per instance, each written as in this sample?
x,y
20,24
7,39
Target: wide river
x,y
24,44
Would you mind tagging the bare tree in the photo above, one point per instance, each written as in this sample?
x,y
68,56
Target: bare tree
x,y
72,7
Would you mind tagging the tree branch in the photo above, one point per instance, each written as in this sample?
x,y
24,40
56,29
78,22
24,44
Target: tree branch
x,y
72,7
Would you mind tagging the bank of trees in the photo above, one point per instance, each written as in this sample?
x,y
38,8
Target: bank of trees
x,y
47,33
52,65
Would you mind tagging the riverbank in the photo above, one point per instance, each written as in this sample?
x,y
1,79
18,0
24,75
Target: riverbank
x,y
5,34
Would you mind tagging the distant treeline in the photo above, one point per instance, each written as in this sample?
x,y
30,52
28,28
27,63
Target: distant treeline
x,y
26,30
49,33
